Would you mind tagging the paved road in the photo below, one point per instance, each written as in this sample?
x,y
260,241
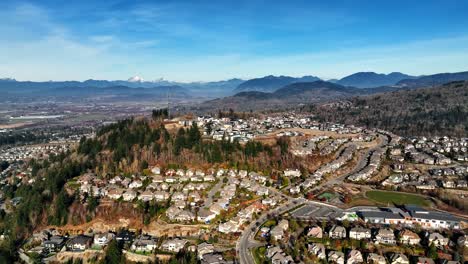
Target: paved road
x,y
247,241
362,163
209,199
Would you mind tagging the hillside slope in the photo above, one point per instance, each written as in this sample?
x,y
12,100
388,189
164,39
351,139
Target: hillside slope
x,y
437,111
434,80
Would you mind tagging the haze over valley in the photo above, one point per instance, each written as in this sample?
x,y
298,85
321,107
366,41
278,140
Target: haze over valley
x,y
250,132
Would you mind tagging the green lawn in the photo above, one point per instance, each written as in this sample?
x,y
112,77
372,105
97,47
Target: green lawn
x,y
259,255
399,198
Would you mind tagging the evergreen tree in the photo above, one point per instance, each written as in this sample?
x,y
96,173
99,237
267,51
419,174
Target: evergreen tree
x,y
114,253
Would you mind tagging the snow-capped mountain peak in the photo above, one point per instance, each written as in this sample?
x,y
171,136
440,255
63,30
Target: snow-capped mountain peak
x,y
135,79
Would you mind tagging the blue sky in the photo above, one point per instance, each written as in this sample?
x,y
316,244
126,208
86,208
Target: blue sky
x,y
215,40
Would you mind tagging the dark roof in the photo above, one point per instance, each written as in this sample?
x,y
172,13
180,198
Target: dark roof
x,y
418,212
380,214
125,235
432,215
80,239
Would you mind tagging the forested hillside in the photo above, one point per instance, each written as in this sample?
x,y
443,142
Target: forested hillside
x,y
127,147
440,111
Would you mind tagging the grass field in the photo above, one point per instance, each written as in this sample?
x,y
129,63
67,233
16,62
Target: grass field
x,y
399,198
259,254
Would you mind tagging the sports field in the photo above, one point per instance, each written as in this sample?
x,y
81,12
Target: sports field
x,y
398,198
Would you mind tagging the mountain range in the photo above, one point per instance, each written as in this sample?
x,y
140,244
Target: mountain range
x,y
434,80
290,95
280,88
200,89
372,79
271,83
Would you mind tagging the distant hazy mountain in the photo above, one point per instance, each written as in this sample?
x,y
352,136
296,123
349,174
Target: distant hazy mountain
x,y
434,80
303,87
204,89
290,95
271,83
372,79
213,89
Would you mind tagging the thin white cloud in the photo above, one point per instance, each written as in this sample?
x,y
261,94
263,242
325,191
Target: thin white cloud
x,y
50,50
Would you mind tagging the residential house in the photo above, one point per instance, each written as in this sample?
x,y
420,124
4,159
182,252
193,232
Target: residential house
x,y
318,250
204,248
144,243
174,245
277,256
423,260
146,196
216,208
292,173
79,243
135,184
354,257
262,191
125,182
115,193
337,232
295,189
125,236
54,244
397,258
373,258
336,257
437,239
315,232
231,226
184,216
157,179
278,231
179,196
189,173
359,233
385,236
269,201
205,215
170,179
209,178
129,195
462,241
103,239
180,172
156,170
180,204
161,196
409,237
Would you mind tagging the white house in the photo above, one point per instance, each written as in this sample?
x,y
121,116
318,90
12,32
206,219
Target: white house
x,y
292,173
144,243
359,233
174,245
135,184
129,195
103,238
